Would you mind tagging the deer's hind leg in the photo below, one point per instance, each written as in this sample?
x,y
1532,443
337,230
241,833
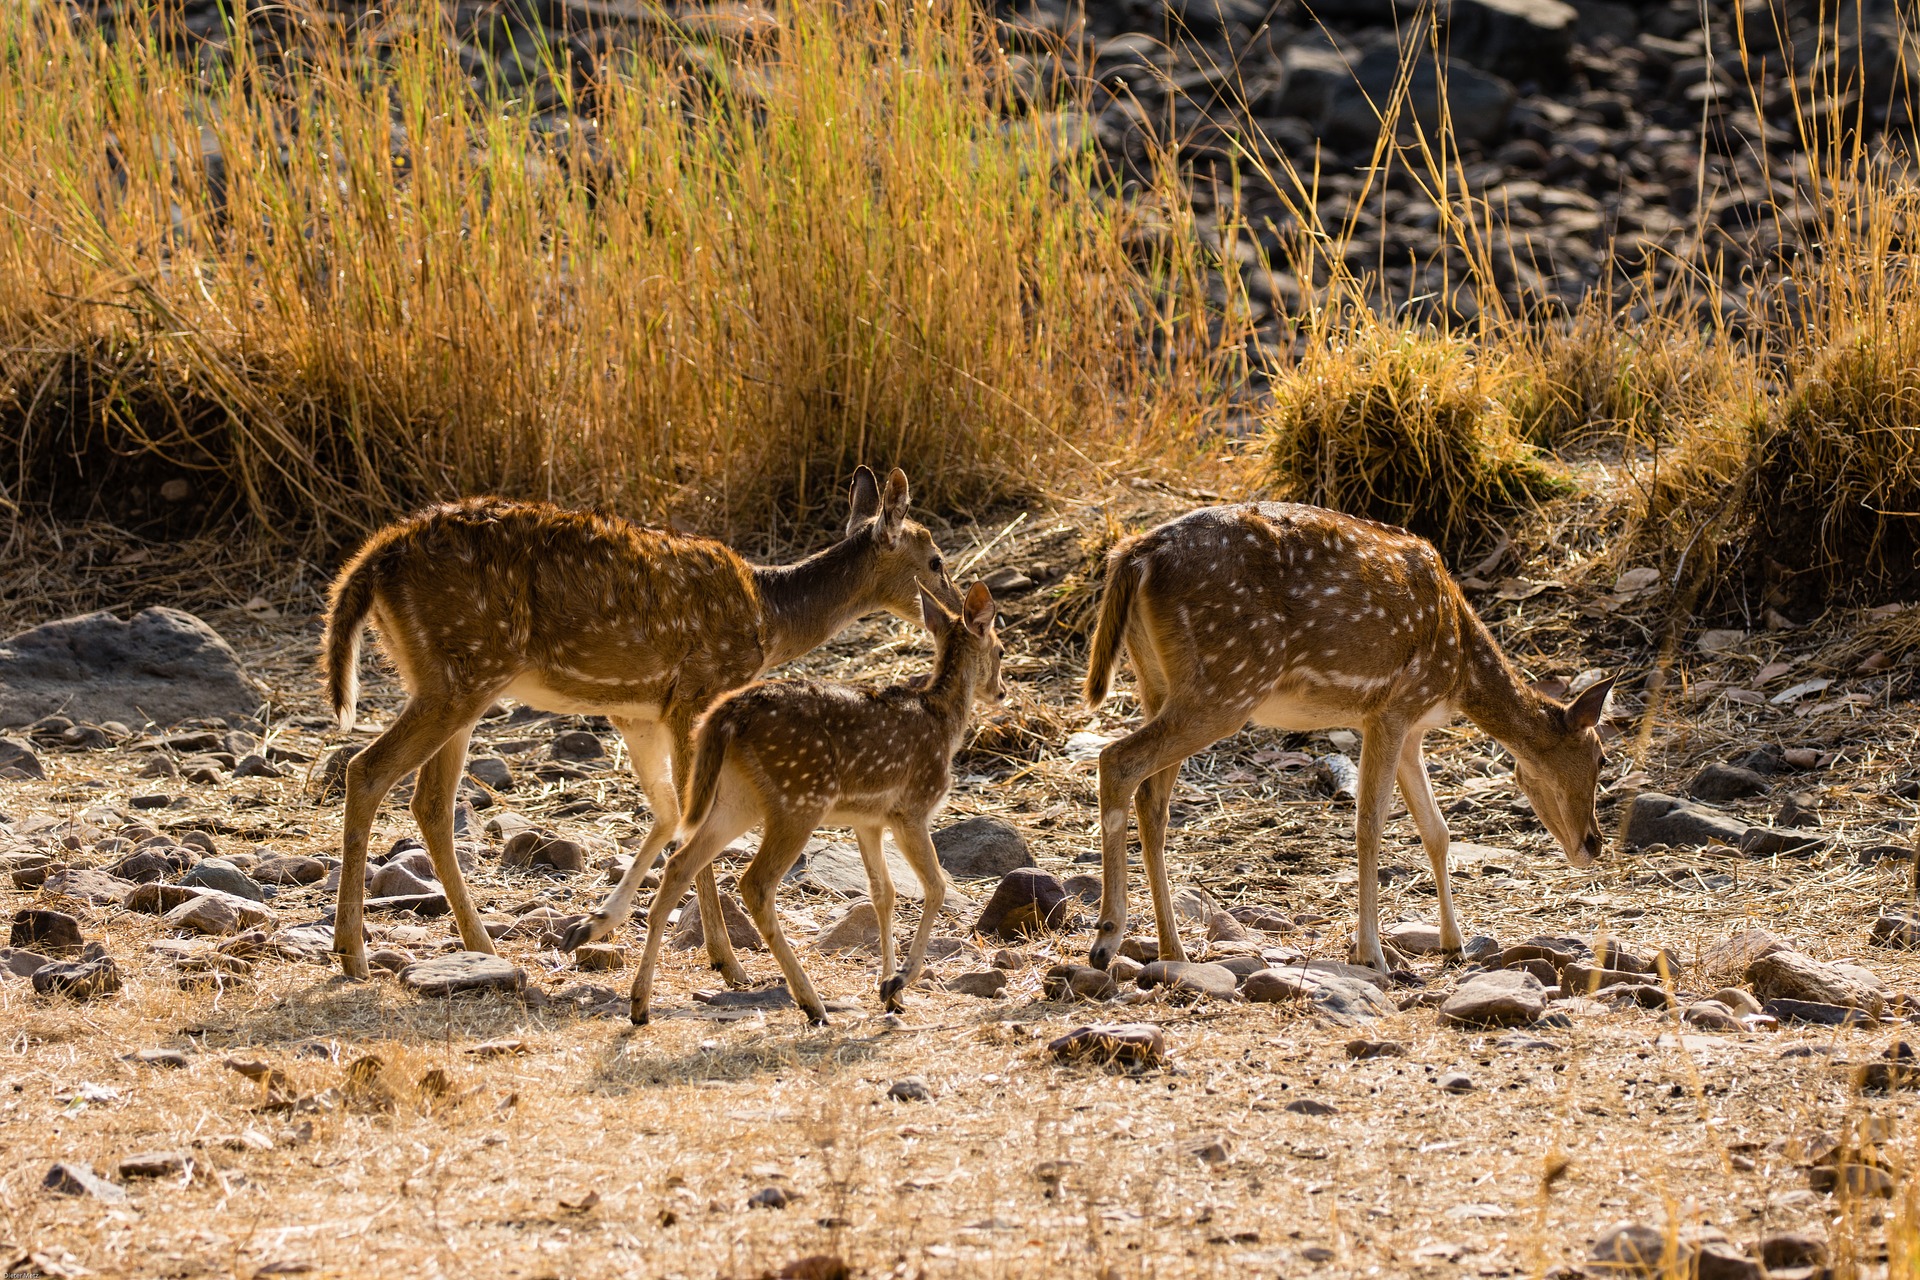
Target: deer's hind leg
x,y
648,751
731,815
434,792
880,890
713,921
785,835
1380,747
917,845
423,726
1175,732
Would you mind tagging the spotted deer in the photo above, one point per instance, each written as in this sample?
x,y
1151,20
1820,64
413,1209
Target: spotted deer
x,y
1305,619
790,756
584,614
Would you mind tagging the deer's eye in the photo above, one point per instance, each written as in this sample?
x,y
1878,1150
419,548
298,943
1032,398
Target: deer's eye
x,y
934,564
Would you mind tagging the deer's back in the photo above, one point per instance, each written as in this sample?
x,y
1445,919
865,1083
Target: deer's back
x,y
1323,610
811,745
574,607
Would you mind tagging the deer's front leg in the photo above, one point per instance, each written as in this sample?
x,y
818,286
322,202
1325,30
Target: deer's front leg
x,y
1379,753
1418,792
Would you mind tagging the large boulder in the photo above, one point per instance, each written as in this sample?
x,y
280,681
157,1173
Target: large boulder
x,y
829,867
1668,820
1503,998
163,666
981,847
1025,902
1789,975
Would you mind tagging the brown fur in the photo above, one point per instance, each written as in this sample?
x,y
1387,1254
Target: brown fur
x,y
576,612
1309,619
793,754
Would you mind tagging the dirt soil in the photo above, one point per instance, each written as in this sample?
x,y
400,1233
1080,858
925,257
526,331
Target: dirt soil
x,y
544,1136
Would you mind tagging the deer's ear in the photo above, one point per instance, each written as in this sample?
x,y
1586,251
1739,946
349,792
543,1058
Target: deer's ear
x,y
863,499
934,614
977,608
1584,712
893,507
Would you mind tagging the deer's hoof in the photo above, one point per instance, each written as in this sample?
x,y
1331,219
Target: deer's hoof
x,y
890,993
637,1014
579,934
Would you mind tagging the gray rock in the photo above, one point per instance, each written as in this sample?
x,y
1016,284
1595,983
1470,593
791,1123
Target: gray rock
x,y
599,957
1078,982
255,765
1711,1015
145,866
389,959
1414,938
1503,998
18,963
71,1178
1025,902
1897,929
491,772
1661,819
981,847
1456,1082
163,666
983,984
1128,1044
157,899
1213,980
463,971
79,980
155,1164
397,880
1792,1249
167,1059
289,869
1519,39
690,933
1813,1013
219,914
1311,1107
542,849
1194,904
222,876
88,885
1336,998
1366,1050
1738,953
17,760
577,744
1632,1249
1084,889
910,1089
1719,783
1856,1181
857,928
1789,975
1767,842
53,933
1478,105
836,868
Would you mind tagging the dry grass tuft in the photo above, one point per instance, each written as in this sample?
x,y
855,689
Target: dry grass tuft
x,y
330,286
1409,428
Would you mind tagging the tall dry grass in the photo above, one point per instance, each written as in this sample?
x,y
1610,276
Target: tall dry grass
x,y
334,284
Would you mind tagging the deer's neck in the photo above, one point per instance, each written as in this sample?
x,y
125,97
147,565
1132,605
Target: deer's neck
x,y
804,605
1491,694
948,696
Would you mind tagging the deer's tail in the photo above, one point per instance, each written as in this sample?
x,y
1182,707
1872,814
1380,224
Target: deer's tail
x,y
703,780
348,604
1116,607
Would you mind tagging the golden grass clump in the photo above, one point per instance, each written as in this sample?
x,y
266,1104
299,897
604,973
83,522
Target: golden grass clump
x,y
1405,427
338,283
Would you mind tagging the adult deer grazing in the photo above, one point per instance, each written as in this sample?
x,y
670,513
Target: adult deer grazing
x,y
792,755
1303,619
584,614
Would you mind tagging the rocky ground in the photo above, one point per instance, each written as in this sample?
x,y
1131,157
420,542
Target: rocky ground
x,y
1705,1037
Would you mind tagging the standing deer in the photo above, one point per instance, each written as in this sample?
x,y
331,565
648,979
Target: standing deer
x,y
791,755
584,614
1306,619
